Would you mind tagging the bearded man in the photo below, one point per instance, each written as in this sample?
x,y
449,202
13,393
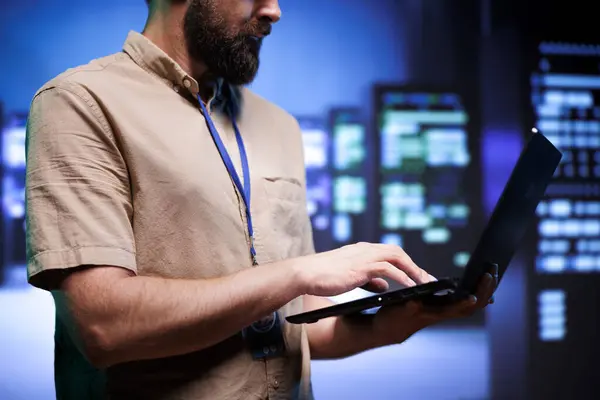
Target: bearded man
x,y
166,215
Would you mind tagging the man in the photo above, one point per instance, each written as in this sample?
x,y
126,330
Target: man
x,y
140,169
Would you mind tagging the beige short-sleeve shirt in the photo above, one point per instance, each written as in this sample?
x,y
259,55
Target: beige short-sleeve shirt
x,y
122,170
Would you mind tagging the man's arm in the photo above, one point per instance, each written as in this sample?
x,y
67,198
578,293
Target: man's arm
x,y
117,317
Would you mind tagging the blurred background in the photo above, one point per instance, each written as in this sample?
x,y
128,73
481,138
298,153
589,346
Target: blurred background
x,y
413,114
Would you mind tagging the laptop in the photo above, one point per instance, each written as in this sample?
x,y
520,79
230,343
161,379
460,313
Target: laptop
x,y
512,215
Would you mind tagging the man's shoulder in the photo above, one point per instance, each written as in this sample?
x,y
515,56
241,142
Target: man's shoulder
x,y
84,78
279,136
263,108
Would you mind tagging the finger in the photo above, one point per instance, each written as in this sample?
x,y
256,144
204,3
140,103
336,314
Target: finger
x,y
485,289
494,270
494,273
490,299
396,256
387,270
404,262
376,285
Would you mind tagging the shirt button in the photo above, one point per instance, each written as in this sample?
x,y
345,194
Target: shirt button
x,y
187,83
275,384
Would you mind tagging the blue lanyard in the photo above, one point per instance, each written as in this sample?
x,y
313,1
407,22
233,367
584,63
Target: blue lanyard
x,y
244,189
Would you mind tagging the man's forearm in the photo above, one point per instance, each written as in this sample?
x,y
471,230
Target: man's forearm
x,y
338,337
149,317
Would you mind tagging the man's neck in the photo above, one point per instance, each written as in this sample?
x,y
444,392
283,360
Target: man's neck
x,y
164,30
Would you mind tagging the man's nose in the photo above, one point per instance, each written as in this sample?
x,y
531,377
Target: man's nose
x,y
268,9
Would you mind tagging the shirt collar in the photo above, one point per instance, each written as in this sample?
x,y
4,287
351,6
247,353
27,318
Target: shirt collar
x,y
156,62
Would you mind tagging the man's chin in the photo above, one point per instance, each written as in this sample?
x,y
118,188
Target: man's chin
x,y
246,69
240,77
240,80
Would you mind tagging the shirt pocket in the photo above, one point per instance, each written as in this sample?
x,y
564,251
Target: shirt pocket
x,y
281,215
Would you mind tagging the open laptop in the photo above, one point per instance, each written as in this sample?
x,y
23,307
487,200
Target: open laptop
x,y
506,228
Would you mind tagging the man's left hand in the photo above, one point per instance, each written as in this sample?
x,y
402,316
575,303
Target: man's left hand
x,y
395,324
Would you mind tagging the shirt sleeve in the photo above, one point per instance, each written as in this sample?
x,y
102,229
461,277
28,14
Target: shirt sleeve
x,y
78,197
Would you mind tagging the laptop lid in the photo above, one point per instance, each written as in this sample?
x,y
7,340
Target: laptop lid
x,y
514,210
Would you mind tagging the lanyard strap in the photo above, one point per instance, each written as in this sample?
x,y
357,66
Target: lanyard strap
x,y
245,188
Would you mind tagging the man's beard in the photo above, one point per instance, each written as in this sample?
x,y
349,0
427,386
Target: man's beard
x,y
231,56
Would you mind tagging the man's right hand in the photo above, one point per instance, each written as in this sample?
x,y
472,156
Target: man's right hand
x,y
359,265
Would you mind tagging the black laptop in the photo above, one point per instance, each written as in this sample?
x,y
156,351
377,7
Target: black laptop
x,y
506,228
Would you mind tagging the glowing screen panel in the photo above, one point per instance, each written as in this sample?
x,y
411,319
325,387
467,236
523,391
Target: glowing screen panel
x,y
552,315
565,98
349,153
566,102
427,189
317,144
13,191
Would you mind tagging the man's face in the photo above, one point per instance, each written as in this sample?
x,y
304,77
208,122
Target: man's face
x,y
226,35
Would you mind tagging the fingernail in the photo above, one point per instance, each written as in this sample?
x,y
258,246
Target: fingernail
x,y
473,299
432,278
494,270
411,282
